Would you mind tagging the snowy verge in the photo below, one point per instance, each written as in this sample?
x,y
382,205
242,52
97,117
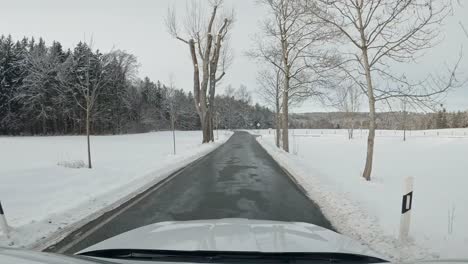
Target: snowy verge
x,y
44,201
436,159
347,216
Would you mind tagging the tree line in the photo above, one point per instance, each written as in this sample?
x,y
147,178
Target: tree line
x,y
384,120
49,90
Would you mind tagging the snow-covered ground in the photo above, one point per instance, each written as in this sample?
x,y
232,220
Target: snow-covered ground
x,y
40,197
329,166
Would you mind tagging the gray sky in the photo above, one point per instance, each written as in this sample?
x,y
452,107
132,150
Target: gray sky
x,y
138,27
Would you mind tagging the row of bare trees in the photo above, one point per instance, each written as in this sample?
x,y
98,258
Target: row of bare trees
x,y
294,59
310,47
340,51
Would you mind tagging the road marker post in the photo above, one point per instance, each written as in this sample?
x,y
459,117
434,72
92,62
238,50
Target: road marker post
x,y
3,222
406,205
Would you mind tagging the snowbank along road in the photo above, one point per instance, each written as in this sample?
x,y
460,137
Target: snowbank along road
x,y
237,180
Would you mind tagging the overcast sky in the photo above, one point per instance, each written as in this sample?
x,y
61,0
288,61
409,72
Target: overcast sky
x,y
138,28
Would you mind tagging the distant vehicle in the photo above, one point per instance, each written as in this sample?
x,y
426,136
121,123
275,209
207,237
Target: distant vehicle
x,y
213,241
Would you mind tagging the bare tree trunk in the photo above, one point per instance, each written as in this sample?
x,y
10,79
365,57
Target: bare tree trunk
x,y
370,146
211,125
44,126
204,118
173,134
370,95
405,115
371,137
199,97
285,121
87,137
217,126
278,128
278,118
404,127
205,126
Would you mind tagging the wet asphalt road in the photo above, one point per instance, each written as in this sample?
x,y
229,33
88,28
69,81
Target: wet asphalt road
x,y
237,180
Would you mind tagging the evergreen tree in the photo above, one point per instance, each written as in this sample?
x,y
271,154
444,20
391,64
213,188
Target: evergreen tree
x,y
457,120
43,91
11,74
441,121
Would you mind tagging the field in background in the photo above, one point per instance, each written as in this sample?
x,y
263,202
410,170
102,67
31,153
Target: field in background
x,y
40,196
437,159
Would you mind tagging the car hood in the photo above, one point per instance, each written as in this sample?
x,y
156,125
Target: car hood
x,y
234,235
18,256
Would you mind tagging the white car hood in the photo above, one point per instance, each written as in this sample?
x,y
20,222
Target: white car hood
x,y
234,235
18,256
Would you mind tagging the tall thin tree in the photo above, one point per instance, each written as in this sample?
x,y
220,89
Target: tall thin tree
x,y
88,73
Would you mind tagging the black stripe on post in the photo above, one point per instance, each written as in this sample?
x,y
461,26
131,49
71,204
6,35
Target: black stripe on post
x,y
405,205
1,209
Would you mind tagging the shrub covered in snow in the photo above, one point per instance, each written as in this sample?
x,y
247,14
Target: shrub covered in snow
x,y
72,164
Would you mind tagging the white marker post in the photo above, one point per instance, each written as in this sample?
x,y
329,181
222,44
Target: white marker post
x,y
406,205
3,222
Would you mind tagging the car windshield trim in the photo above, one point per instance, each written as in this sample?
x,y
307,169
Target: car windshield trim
x,y
230,256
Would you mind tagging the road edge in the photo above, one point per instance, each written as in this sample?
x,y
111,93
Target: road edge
x,y
158,181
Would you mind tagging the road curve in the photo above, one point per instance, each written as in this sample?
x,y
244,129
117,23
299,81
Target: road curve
x,y
237,180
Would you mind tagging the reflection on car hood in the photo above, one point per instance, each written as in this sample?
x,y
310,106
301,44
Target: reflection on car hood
x,y
234,235
17,256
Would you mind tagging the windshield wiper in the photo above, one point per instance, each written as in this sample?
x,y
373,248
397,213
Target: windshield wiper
x,y
230,256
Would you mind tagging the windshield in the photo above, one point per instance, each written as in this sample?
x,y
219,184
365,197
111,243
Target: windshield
x,y
290,130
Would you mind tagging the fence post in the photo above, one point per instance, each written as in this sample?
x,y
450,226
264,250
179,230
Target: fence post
x,y
3,222
406,204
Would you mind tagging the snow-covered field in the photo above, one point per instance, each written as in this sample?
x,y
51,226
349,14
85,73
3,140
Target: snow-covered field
x,y
329,166
40,197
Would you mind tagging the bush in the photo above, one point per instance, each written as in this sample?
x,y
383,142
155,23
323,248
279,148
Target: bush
x,y
72,164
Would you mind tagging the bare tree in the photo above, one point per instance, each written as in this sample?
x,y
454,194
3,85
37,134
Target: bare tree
x,y
464,29
378,33
270,82
171,104
207,38
462,25
291,43
349,102
90,74
243,94
404,118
